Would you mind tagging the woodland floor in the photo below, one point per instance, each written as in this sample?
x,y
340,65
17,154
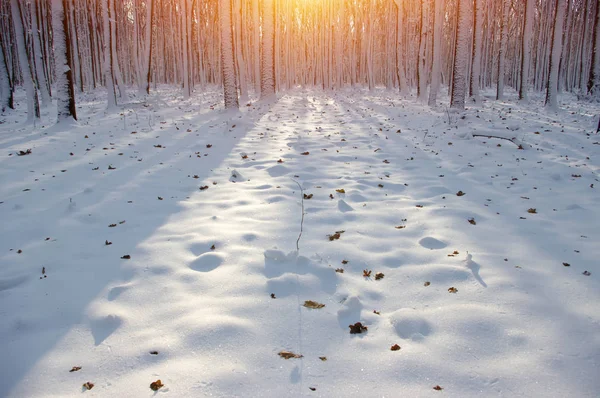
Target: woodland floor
x,y
193,303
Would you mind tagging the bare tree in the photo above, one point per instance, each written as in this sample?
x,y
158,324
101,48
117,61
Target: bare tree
x,y
227,62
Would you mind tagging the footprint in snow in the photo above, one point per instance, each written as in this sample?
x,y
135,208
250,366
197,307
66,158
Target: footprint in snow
x,y
207,262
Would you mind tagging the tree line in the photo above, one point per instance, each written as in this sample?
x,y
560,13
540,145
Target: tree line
x,y
55,48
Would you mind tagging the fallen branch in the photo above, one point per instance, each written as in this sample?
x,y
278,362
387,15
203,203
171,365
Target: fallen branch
x,y
513,140
302,220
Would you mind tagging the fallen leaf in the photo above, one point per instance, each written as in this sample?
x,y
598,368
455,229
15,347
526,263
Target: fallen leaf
x,y
19,251
395,347
111,167
380,185
209,145
335,236
472,221
309,196
107,243
427,283
400,226
313,304
88,385
204,188
213,247
438,388
344,261
153,352
339,270
460,193
566,264
420,206
126,257
156,385
386,161
357,328
305,153
280,161
331,196
342,190
587,273
112,225
452,289
75,369
323,358
532,211
160,198
367,273
23,153
122,222
379,276
289,355
312,389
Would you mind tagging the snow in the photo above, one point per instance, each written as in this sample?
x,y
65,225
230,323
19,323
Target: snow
x,y
519,324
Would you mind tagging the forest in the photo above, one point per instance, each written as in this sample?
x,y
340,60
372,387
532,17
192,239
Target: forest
x,y
268,46
299,198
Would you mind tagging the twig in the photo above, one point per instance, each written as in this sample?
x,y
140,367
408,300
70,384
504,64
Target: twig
x,y
302,220
495,136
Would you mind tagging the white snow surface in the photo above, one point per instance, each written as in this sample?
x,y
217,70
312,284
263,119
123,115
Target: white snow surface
x,y
520,324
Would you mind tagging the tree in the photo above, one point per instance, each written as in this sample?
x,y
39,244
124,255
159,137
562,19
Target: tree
x,y
461,56
149,42
33,105
437,51
227,62
6,90
65,92
476,53
267,55
555,53
526,50
593,85
423,67
502,50
108,55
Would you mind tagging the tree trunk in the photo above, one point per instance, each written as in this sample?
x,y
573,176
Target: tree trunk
x,y
33,106
65,93
526,50
502,51
267,60
437,51
461,56
555,53
108,64
6,92
593,85
227,62
474,82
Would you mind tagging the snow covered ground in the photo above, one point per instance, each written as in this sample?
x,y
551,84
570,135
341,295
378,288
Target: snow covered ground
x,y
114,259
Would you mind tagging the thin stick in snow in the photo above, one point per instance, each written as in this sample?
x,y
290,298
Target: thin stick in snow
x,y
302,220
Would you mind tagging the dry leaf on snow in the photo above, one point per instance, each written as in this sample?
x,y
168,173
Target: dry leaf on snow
x,y
395,347
156,385
452,289
357,328
313,304
289,355
88,385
